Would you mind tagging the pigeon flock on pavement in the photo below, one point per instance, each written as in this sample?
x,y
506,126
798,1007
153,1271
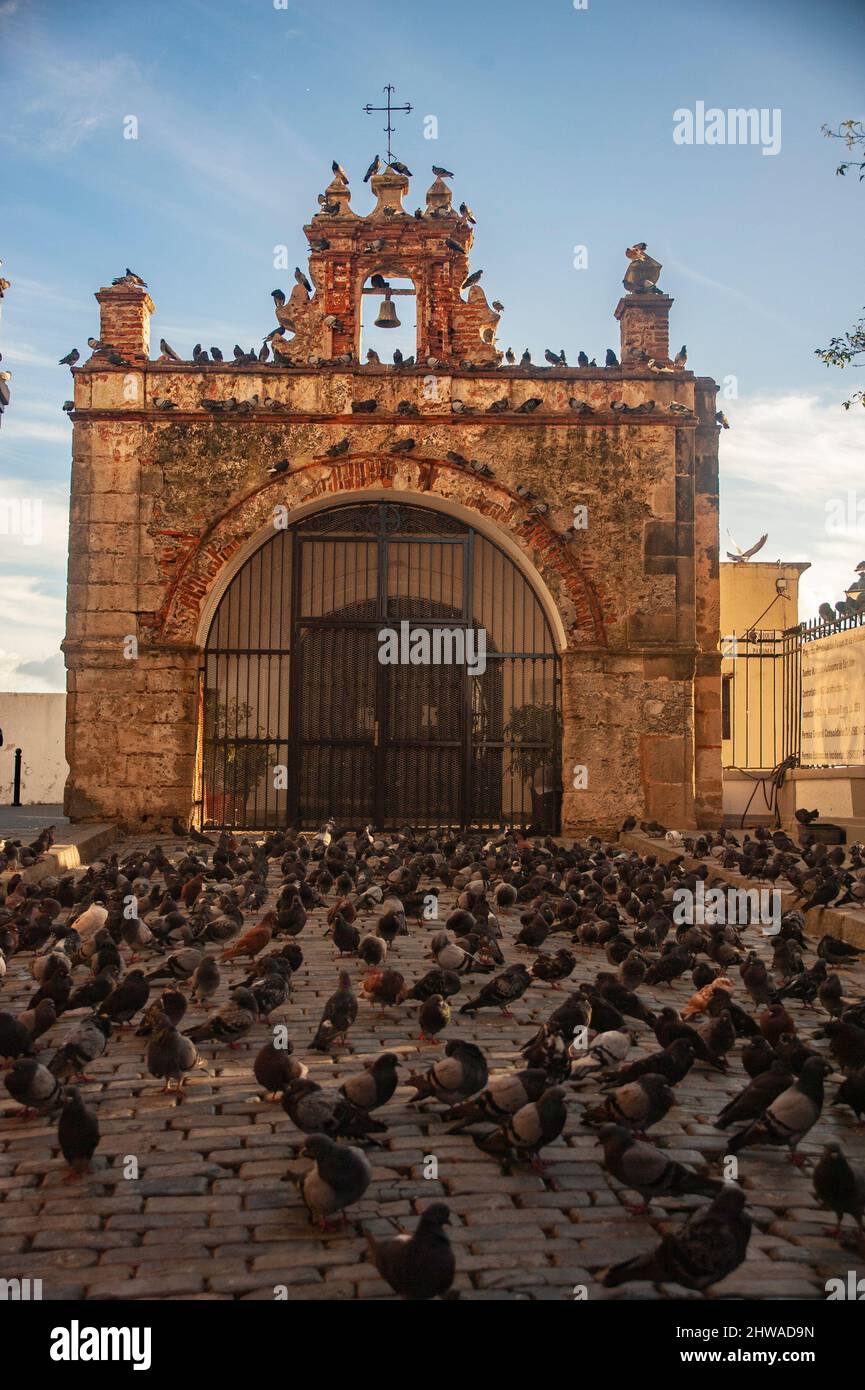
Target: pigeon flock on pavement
x,y
187,946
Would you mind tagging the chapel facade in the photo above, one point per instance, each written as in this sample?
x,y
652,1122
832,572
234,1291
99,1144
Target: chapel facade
x,y
245,535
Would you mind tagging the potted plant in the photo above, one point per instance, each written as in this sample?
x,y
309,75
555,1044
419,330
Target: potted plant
x,y
233,764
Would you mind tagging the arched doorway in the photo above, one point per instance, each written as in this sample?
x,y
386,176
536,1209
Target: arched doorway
x,y
303,719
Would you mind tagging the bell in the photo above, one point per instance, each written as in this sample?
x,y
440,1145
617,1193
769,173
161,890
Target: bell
x,y
387,314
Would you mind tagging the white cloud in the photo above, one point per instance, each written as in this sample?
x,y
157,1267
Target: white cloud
x,y
17,427
786,464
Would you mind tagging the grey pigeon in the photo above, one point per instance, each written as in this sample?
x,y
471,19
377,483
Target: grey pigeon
x,y
205,979
505,1094
374,1086
170,1054
709,1246
421,1265
840,1187
276,1069
339,1014
750,1103
791,1115
340,1175
645,1169
88,1042
316,1110
533,1126
462,1072
230,1023
126,998
638,1105
77,1132
34,1086
500,991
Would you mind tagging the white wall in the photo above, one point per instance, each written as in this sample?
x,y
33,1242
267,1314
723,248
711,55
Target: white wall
x,y
37,725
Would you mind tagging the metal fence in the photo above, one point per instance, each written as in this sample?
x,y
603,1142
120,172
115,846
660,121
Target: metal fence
x,y
761,695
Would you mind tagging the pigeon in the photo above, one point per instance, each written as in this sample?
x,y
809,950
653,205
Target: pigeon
x,y
180,965
126,998
15,1039
672,1063
441,173
434,1017
530,405
638,1105
681,358
339,1177
205,980
400,168
374,1086
645,1169
774,1022
421,1265
70,359
170,1054
611,360
300,279
602,1053
89,1041
836,952
466,212
462,1072
275,1069
852,1092
314,1109
709,1246
373,169
524,1133
506,1093
750,1103
168,351
34,1087
790,1116
500,991
840,1187
77,1133
230,1023
757,1056
339,1014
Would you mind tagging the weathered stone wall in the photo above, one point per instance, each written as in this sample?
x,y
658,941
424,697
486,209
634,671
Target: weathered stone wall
x,y
162,501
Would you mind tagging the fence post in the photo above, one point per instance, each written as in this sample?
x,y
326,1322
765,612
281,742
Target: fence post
x,y
16,785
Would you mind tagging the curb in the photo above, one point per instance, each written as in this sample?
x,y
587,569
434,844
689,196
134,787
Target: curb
x,y
848,924
81,846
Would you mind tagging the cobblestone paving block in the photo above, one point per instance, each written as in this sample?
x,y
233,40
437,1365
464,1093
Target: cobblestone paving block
x,y
210,1217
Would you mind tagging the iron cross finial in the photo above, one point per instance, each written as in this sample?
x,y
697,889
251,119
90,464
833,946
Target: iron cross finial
x,y
390,109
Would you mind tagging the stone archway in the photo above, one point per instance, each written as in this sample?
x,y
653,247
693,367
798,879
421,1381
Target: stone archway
x,y
195,565
300,719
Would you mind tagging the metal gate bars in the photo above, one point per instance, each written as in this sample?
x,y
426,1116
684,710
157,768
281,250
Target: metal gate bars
x,y
381,664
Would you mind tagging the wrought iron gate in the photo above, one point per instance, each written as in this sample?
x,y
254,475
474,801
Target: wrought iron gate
x,y
302,721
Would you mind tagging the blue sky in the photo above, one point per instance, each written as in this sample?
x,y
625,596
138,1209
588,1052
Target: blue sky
x,y
558,123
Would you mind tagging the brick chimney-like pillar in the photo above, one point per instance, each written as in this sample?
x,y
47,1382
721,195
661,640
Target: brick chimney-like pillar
x,y
645,325
125,320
